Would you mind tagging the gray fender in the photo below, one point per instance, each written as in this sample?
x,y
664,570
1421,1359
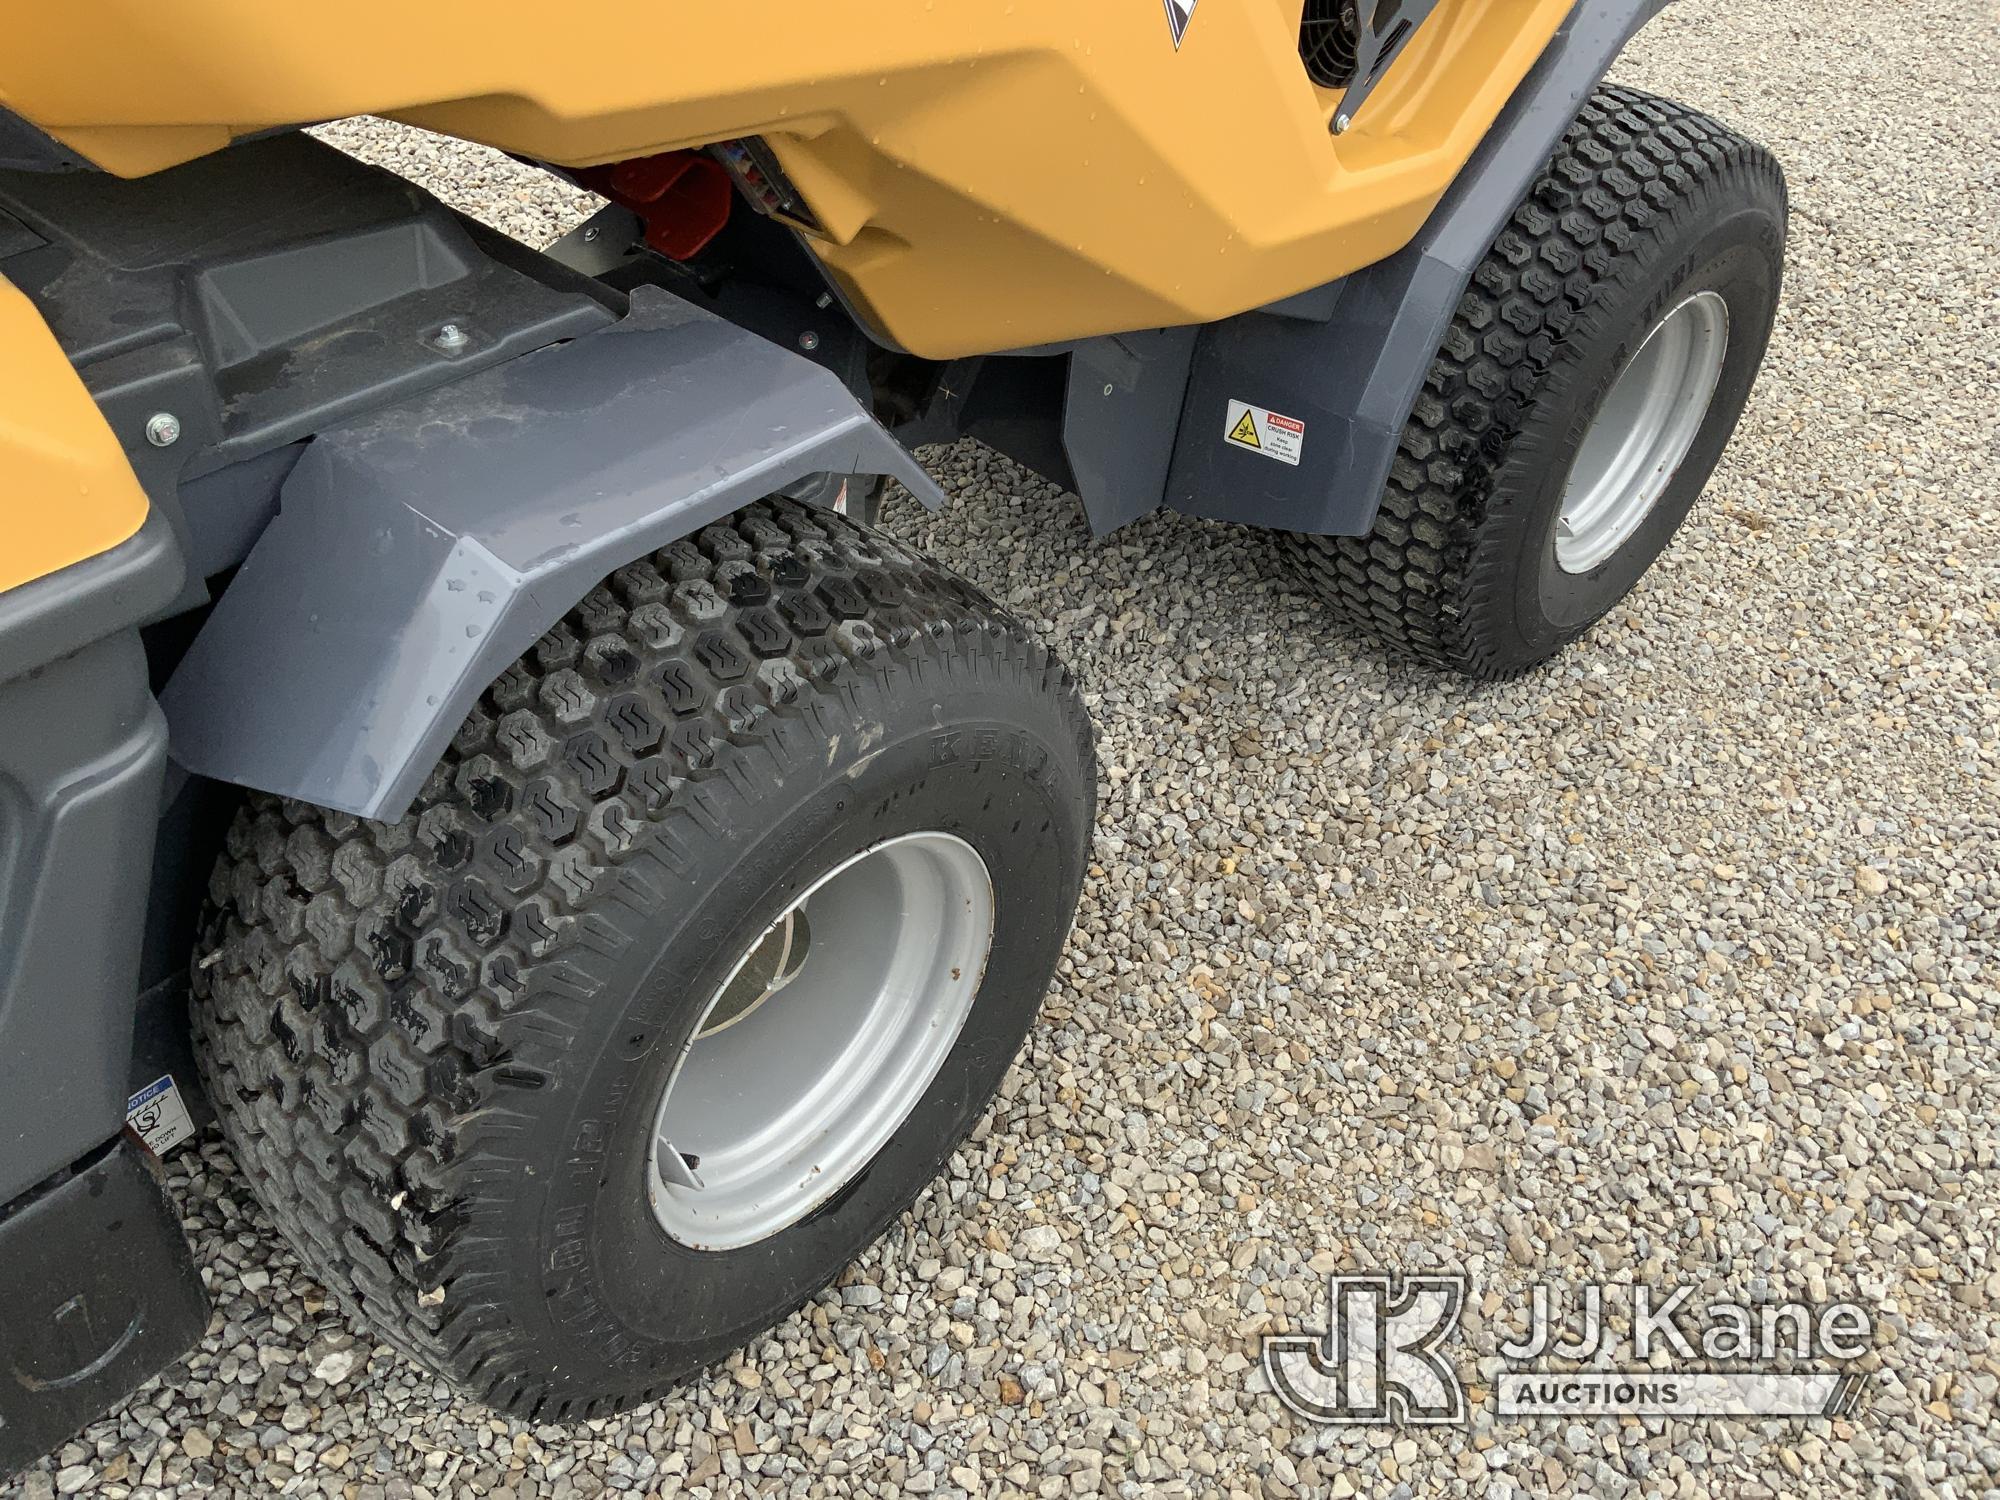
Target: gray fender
x,y
1349,359
419,550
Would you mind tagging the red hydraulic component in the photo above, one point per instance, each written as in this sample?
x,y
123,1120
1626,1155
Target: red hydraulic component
x,y
683,197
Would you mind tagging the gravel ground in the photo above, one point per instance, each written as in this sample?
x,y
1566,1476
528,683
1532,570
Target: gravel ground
x,y
1673,963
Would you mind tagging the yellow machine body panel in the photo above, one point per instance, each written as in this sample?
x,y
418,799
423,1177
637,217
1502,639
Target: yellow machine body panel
x,y
986,177
66,490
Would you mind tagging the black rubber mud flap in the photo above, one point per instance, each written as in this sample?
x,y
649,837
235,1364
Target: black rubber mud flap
x,y
101,1292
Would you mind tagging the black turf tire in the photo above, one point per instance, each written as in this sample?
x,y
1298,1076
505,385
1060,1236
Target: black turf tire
x,y
1644,204
437,1046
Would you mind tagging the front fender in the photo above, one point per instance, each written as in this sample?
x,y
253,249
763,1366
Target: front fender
x,y
1349,359
419,550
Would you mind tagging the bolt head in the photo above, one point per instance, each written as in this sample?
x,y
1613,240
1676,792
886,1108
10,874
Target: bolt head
x,y
809,341
450,338
592,232
163,429
1341,122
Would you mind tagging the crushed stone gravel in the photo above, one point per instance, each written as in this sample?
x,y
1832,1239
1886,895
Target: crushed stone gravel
x,y
1674,962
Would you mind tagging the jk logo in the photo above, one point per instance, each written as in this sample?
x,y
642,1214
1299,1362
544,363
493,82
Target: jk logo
x,y
1377,1361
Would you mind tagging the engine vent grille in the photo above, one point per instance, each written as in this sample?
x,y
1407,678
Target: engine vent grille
x,y
1329,40
1349,44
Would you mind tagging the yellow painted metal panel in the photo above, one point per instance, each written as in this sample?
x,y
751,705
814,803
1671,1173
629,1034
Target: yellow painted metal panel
x,y
66,489
990,176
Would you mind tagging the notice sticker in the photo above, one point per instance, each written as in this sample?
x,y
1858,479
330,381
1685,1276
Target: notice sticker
x,y
1270,433
157,1113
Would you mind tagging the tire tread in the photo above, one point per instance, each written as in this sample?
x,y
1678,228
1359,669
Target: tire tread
x,y
373,1001
1419,581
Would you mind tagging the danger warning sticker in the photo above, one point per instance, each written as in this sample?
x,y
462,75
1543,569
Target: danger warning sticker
x,y
1270,433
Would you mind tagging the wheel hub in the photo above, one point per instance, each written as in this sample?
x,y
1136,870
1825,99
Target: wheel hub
x,y
1643,429
822,1040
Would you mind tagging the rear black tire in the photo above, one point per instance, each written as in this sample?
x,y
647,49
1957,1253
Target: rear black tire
x,y
438,1046
1645,204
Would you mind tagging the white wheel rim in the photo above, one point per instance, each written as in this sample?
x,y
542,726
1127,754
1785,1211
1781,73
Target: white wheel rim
x,y
1642,431
796,1079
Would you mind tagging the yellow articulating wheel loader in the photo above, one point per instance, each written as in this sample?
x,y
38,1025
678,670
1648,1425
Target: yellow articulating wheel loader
x,y
459,724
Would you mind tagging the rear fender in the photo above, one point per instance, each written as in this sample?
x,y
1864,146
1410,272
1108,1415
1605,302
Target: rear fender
x,y
420,550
